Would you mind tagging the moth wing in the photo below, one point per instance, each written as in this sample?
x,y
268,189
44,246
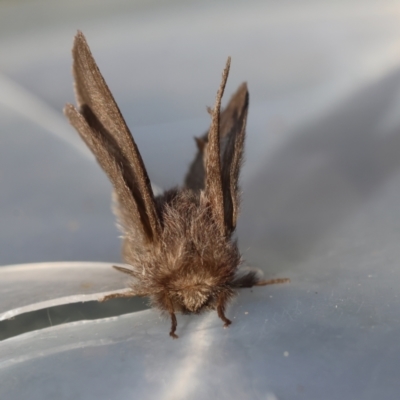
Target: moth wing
x,y
232,135
195,177
102,127
232,154
107,155
213,179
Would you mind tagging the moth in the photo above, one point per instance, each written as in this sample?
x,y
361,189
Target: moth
x,y
179,245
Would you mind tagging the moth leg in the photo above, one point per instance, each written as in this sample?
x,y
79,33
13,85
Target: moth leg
x,y
117,295
221,310
272,282
174,324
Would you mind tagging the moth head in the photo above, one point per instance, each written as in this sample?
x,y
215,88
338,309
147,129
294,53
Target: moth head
x,y
193,298
196,292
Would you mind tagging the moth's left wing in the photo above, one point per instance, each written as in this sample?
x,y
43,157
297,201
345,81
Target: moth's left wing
x,y
101,112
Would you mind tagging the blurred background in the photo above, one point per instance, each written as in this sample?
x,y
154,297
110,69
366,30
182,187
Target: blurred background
x,y
321,188
323,80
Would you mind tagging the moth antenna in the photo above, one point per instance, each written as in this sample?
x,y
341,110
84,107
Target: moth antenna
x,y
213,184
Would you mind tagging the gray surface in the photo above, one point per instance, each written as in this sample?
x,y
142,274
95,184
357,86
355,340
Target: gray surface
x,y
321,197
52,284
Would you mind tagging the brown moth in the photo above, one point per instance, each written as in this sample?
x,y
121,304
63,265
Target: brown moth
x,y
178,245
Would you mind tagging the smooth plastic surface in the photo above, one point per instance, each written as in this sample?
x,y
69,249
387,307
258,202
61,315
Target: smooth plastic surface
x,y
321,198
29,287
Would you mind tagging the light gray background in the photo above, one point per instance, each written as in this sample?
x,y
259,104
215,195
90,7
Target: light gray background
x,y
321,193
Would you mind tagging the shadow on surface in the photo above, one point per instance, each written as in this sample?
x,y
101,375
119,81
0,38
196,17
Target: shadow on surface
x,y
321,176
67,313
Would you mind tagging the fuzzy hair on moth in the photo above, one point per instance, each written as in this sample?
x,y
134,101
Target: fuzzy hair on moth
x,y
179,245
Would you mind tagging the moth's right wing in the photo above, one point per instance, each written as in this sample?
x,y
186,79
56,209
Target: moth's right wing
x,y
232,125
